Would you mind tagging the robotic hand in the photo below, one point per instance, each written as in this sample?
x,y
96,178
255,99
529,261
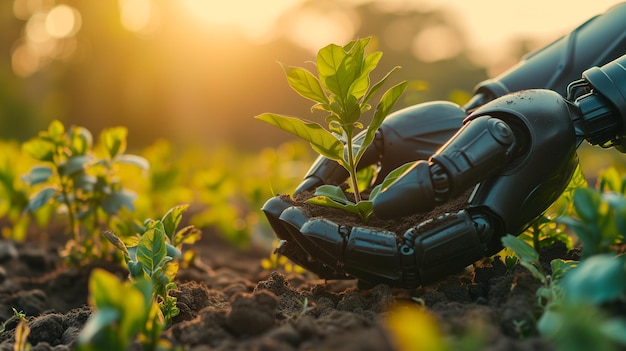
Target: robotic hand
x,y
515,147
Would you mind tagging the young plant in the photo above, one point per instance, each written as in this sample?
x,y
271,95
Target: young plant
x,y
333,196
79,182
123,311
600,220
17,316
529,259
154,256
342,90
573,290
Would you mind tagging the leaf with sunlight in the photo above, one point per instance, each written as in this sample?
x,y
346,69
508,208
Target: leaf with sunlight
x,y
322,141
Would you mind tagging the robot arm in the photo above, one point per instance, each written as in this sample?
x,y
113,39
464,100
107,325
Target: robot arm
x,y
517,152
409,137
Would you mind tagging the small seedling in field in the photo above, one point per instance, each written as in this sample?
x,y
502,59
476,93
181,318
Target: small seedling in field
x,y
75,180
342,90
333,196
123,311
21,330
17,316
154,255
599,221
529,259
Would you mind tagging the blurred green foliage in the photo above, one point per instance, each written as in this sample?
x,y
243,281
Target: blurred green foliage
x,y
226,196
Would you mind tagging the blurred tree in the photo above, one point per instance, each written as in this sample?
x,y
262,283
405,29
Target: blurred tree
x,y
170,77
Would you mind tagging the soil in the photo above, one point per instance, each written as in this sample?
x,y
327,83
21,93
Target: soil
x,y
228,302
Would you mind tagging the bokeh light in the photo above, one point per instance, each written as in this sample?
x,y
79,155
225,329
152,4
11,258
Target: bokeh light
x,y
197,71
62,21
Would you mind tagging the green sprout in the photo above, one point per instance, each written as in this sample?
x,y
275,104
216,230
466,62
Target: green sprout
x,y
342,90
154,255
123,311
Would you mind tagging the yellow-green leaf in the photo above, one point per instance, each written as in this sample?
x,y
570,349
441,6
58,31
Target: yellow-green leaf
x,y
305,84
321,140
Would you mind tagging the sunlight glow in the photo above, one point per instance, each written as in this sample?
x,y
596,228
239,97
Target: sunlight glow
x,y
315,29
49,34
254,18
23,9
436,43
63,21
139,16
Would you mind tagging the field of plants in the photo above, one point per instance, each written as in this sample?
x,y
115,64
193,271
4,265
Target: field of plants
x,y
166,249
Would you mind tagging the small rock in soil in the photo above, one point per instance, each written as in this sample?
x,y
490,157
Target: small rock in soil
x,y
252,314
47,328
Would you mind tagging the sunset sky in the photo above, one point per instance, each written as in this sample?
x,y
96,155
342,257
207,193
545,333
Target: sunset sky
x,y
489,24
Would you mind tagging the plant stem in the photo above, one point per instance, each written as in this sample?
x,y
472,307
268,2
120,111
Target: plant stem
x,y
353,180
65,190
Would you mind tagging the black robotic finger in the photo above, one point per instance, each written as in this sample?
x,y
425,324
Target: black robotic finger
x,y
286,221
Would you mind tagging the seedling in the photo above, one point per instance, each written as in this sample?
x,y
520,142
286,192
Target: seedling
x,y
529,259
333,196
123,310
75,180
599,221
154,255
342,90
17,316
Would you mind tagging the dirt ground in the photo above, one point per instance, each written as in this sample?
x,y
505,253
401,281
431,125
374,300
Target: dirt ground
x,y
228,302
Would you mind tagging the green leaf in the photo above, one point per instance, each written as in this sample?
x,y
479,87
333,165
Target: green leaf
x,y
133,160
610,180
56,129
172,219
614,329
391,177
366,209
560,267
587,202
351,113
188,235
333,66
113,202
81,140
117,242
85,182
151,251
329,202
377,86
382,111
103,318
321,140
597,279
104,289
75,164
172,251
42,198
38,175
360,85
135,269
114,140
121,308
534,271
333,192
305,84
39,149
525,252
